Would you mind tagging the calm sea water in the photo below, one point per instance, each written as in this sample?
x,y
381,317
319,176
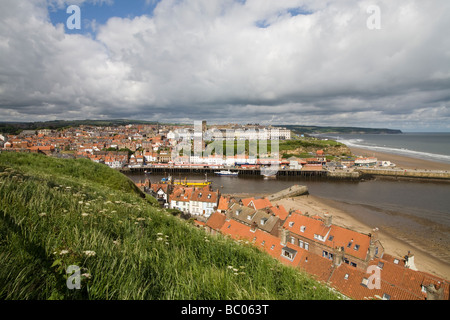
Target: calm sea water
x,y
427,146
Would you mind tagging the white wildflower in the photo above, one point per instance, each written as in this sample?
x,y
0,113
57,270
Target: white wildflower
x,y
89,253
159,239
80,202
43,214
86,275
167,243
63,252
230,267
84,214
159,234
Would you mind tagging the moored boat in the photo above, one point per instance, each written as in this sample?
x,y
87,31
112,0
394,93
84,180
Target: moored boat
x,y
226,173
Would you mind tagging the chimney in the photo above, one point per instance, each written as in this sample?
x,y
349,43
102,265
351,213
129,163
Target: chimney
x,y
409,261
338,256
374,236
284,235
328,219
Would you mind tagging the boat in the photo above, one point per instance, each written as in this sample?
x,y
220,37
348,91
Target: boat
x,y
269,173
226,173
192,183
187,183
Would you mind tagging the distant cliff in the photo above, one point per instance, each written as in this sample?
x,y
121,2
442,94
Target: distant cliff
x,y
354,130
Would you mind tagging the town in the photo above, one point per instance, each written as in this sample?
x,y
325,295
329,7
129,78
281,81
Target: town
x,y
353,263
134,147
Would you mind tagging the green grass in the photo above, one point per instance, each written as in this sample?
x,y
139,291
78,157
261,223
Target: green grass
x,y
52,211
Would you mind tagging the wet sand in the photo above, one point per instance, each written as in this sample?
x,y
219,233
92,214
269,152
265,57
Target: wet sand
x,y
402,161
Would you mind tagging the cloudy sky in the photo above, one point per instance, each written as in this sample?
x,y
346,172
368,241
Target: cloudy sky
x,y
305,62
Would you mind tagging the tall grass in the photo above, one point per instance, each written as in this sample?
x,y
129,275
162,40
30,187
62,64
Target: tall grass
x,y
55,213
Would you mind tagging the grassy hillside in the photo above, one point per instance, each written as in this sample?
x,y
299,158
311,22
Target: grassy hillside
x,y
55,213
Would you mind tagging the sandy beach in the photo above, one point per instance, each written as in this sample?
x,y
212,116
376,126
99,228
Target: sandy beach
x,y
401,161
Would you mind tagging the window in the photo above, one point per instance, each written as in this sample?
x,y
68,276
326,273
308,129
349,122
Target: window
x,y
292,240
262,243
353,264
291,224
356,247
306,246
330,238
346,276
396,261
302,228
380,265
272,247
386,296
350,244
300,243
364,282
289,253
229,226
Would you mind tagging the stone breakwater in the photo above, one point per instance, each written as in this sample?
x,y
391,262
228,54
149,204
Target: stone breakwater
x,y
406,173
294,191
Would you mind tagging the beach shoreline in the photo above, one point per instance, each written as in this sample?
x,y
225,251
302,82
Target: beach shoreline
x,y
400,161
425,259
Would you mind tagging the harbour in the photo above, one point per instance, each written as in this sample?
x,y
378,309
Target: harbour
x,y
414,211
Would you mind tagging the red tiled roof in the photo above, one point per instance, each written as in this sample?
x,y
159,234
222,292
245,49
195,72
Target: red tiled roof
x,y
280,212
216,221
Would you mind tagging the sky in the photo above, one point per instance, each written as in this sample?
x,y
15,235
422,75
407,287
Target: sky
x,y
364,63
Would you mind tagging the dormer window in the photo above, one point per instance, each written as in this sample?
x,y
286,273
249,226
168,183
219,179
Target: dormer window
x,y
356,247
302,228
209,196
291,224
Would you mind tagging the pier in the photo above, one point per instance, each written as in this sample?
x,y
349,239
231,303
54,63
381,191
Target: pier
x,y
313,174
353,175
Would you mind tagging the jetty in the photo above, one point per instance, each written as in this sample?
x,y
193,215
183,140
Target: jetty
x,y
294,191
321,173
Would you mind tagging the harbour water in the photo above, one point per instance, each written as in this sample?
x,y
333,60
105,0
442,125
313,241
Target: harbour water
x,y
412,211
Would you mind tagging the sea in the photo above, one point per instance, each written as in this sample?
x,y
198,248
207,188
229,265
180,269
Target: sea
x,y
415,212
425,146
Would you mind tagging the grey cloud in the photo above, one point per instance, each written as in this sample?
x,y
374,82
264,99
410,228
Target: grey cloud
x,y
209,60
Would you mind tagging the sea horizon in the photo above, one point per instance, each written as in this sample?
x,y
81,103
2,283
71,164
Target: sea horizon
x,y
432,146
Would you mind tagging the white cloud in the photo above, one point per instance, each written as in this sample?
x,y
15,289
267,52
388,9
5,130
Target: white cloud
x,y
209,59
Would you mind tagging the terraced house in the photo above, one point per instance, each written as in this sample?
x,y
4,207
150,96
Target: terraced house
x,y
353,263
